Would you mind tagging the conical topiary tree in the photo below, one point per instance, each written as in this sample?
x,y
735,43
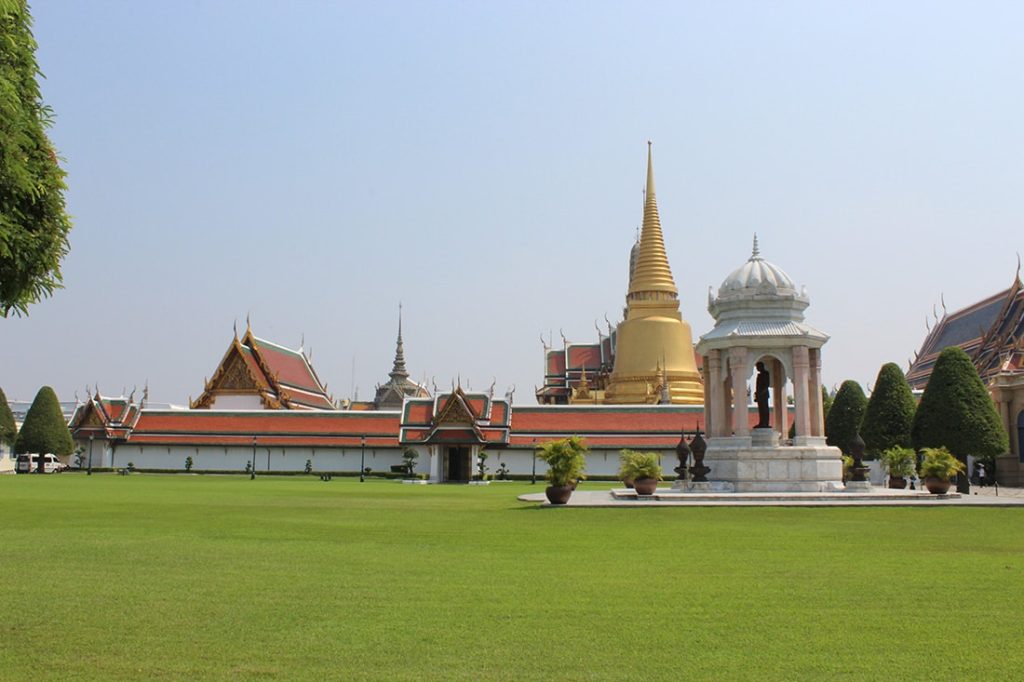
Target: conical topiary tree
x,y
44,430
890,412
956,412
845,416
8,429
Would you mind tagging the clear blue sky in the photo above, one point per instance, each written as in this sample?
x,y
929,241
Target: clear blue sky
x,y
314,163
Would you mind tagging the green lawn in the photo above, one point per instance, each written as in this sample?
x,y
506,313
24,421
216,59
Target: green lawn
x,y
220,577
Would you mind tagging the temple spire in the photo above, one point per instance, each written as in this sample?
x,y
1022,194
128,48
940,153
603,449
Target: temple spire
x,y
399,369
652,273
755,253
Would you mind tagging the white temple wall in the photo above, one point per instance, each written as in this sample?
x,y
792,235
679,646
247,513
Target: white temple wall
x,y
236,402
235,458
520,462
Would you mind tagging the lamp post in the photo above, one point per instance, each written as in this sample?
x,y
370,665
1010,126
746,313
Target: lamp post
x,y
533,476
362,458
252,470
91,438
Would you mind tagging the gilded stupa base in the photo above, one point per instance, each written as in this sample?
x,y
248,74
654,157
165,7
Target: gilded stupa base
x,y
647,390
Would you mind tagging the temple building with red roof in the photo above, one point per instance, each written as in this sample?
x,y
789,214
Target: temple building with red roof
x,y
991,332
256,374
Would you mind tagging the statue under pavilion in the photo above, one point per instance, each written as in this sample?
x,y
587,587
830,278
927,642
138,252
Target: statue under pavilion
x,y
759,319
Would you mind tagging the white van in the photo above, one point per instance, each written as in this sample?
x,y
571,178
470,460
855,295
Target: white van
x,y
51,465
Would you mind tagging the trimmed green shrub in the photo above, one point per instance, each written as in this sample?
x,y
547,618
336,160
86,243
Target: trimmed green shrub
x,y
900,462
34,225
44,430
566,459
8,429
957,412
890,412
940,463
637,465
845,415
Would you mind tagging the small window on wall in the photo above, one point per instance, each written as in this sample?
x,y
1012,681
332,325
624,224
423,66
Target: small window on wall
x,y
1020,435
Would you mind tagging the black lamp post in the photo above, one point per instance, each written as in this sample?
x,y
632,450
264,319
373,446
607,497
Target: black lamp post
x,y
533,476
252,470
362,458
89,472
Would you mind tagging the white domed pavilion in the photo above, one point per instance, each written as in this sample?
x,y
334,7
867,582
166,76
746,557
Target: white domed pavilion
x,y
759,317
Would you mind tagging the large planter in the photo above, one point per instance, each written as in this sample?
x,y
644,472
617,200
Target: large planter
x,y
628,482
645,486
897,482
558,494
936,485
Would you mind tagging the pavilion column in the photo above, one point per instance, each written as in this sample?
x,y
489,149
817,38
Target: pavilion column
x,y
801,372
779,397
715,393
704,375
725,426
738,373
814,388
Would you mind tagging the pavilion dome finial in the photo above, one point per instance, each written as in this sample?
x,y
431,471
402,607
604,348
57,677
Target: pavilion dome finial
x,y
757,276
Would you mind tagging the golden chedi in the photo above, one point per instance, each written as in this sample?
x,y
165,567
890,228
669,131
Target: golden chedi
x,y
654,344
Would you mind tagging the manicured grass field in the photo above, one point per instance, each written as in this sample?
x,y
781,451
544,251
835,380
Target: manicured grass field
x,y
181,577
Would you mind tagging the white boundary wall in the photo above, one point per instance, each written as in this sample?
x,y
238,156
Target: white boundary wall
x,y
520,462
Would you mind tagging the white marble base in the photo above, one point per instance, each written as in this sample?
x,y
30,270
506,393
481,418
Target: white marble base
x,y
479,482
703,487
775,469
858,486
764,438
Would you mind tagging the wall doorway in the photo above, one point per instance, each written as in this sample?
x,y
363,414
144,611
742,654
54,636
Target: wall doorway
x,y
458,465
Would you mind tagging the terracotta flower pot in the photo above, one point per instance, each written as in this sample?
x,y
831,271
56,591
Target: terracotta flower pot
x,y
558,494
897,482
936,485
645,486
628,482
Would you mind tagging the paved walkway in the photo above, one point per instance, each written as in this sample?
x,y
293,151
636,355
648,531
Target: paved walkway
x,y
876,497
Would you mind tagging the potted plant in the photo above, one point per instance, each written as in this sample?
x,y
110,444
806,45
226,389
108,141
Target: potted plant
x,y
937,468
899,462
625,456
566,460
644,470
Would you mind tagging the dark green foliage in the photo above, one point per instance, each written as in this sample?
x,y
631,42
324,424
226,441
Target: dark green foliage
x,y
44,430
845,415
8,429
566,459
188,464
957,412
890,412
34,225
